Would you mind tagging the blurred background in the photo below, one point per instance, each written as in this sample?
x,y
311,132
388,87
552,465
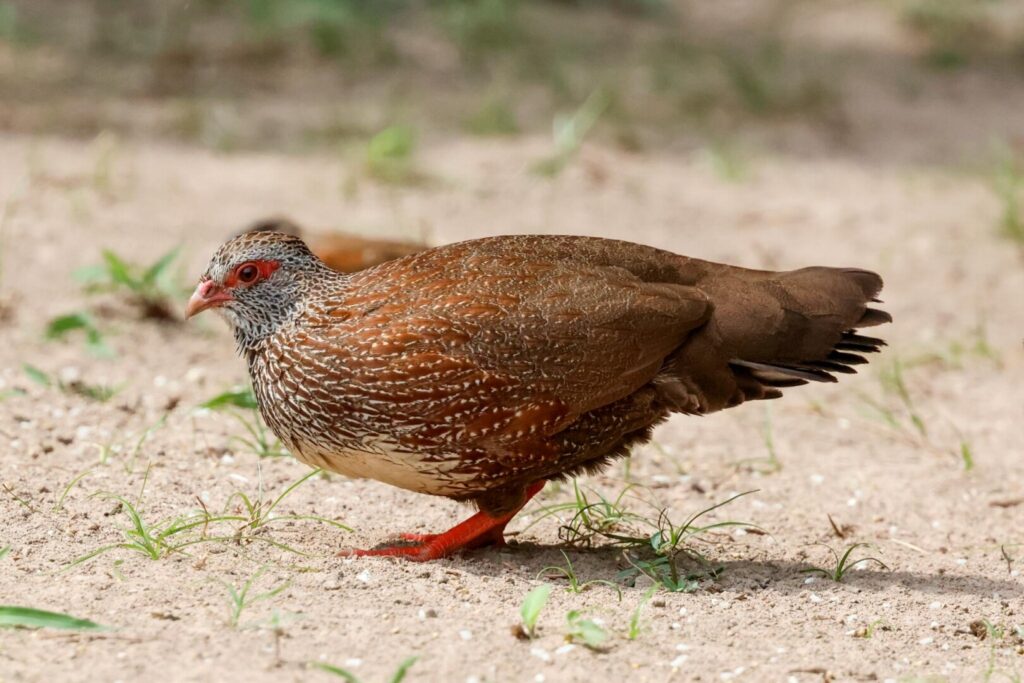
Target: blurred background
x,y
771,133
137,135
889,81
884,133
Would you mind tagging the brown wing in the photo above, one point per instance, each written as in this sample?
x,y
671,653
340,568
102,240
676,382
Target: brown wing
x,y
484,340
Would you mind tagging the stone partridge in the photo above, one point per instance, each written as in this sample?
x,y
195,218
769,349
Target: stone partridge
x,y
480,370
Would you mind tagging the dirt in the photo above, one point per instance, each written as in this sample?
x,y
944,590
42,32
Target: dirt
x,y
940,502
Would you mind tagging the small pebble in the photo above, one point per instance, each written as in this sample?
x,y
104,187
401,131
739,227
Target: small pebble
x,y
540,653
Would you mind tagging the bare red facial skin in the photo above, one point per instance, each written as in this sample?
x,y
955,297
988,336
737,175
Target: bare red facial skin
x,y
209,294
263,270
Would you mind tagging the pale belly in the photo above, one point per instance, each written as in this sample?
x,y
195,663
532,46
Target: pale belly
x,y
387,465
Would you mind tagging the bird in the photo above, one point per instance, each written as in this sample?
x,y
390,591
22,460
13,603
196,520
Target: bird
x,y
480,370
340,251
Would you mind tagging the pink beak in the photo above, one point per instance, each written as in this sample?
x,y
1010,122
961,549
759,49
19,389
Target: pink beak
x,y
208,294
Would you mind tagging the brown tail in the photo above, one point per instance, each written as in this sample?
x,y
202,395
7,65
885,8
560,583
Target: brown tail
x,y
819,312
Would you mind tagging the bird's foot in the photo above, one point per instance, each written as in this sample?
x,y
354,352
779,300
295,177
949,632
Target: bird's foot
x,y
478,531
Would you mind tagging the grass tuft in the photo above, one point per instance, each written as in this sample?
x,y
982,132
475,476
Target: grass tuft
x,y
843,564
95,392
653,545
585,631
568,572
63,325
162,538
240,598
154,289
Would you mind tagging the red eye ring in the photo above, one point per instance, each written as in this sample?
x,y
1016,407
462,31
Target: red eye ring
x,y
247,273
250,272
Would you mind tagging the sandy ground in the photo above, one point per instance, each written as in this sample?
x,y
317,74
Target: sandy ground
x,y
898,192
939,528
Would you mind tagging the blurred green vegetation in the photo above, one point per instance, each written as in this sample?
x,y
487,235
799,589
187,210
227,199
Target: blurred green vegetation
x,y
953,29
226,71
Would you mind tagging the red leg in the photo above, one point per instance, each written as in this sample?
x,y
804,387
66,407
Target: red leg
x,y
476,532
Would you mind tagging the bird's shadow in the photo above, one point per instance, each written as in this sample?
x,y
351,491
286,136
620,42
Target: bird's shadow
x,y
785,577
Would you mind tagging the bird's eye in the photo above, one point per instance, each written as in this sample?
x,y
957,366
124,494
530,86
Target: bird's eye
x,y
248,273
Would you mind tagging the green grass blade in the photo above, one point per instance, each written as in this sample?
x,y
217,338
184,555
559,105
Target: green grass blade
x,y
291,488
156,270
61,325
532,606
27,617
236,398
37,375
118,270
67,489
403,669
336,670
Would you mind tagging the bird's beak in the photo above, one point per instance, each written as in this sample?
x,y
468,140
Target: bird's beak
x,y
207,295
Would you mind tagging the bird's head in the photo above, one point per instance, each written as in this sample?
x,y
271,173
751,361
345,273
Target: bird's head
x,y
257,281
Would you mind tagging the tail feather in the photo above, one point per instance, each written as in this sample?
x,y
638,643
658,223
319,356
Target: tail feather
x,y
846,358
824,309
872,317
851,341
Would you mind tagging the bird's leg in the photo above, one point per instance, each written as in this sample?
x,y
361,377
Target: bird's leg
x,y
476,532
